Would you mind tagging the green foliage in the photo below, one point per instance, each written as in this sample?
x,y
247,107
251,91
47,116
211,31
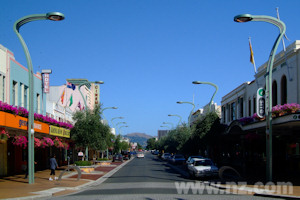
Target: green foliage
x,y
175,140
151,143
88,130
139,146
102,159
83,163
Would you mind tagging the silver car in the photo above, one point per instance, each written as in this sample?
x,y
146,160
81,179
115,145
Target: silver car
x,y
202,167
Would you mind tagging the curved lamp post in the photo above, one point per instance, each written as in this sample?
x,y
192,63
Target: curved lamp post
x,y
107,122
169,123
282,28
119,127
182,102
87,82
165,126
54,16
106,109
209,83
114,119
180,118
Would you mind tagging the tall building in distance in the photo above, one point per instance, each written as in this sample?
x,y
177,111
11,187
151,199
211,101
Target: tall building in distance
x,y
161,133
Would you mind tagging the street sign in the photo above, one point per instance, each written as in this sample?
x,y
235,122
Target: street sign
x,y
260,102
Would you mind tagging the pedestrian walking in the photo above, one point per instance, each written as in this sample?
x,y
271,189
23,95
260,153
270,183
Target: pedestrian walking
x,y
53,166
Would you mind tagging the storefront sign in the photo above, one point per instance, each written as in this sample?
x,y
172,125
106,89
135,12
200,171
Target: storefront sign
x,y
60,132
15,121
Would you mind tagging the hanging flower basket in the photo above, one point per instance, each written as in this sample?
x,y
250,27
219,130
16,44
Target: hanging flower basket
x,y
37,142
4,136
46,142
20,140
58,143
290,108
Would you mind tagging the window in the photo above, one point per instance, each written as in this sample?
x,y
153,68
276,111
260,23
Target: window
x,y
25,96
38,103
274,93
241,102
232,112
224,114
249,107
283,89
14,93
254,105
2,87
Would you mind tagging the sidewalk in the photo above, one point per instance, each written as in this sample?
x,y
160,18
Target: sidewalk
x,y
16,187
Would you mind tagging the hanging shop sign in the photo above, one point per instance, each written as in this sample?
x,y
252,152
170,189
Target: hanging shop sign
x,y
60,132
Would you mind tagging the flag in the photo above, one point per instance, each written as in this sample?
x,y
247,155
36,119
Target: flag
x,y
71,100
62,97
71,85
251,53
79,105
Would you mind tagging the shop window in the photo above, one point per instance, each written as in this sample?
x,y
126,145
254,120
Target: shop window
x,y
283,89
274,93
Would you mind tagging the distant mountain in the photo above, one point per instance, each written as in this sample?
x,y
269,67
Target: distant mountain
x,y
140,138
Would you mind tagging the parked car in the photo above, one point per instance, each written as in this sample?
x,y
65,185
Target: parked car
x,y
117,157
166,156
126,155
140,155
202,167
177,159
188,161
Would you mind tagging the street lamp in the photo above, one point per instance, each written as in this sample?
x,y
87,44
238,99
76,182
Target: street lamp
x,y
182,102
84,83
165,126
180,118
169,123
209,83
54,16
282,28
119,127
114,119
106,109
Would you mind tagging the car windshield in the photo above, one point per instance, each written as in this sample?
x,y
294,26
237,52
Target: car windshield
x,y
203,163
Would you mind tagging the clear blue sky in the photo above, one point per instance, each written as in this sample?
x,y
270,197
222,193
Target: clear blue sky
x,y
148,52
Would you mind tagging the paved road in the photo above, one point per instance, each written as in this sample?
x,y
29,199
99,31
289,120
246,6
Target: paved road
x,y
151,178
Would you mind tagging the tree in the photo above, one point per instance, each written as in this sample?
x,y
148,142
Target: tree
x,y
88,130
151,143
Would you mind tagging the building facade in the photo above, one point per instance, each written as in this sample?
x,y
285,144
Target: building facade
x,y
244,141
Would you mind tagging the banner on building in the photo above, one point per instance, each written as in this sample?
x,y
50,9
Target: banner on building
x,y
97,94
60,132
46,81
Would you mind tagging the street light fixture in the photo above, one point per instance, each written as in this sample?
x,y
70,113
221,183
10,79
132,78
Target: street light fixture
x,y
282,28
165,126
169,123
182,102
114,119
209,83
180,118
54,16
106,109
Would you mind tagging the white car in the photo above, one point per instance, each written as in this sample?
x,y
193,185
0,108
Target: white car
x,y
166,156
202,167
140,155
